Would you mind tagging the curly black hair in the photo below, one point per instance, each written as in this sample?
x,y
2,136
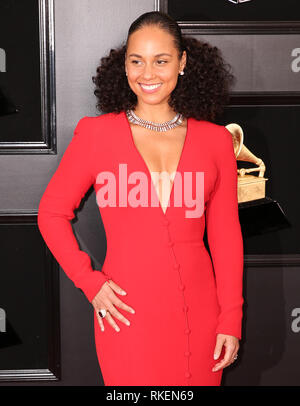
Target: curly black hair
x,y
202,92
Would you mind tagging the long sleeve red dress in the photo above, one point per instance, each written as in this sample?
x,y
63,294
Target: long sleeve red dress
x,y
182,296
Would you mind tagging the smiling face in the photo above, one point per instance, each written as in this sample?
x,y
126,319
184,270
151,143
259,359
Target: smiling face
x,y
152,65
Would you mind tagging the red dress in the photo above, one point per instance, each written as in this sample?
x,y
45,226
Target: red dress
x,y
181,297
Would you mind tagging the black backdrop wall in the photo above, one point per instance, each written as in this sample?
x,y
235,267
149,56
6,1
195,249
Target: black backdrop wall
x,y
50,342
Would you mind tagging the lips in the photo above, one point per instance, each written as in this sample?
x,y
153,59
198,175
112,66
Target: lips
x,y
150,88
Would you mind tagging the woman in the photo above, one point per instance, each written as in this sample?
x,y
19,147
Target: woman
x,y
181,306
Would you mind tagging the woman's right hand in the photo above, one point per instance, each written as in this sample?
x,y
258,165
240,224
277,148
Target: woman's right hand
x,y
106,299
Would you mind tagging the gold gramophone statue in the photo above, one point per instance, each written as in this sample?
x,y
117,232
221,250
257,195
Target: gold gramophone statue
x,y
250,187
258,213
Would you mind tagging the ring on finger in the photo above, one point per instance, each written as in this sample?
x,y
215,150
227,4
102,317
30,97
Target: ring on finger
x,y
102,312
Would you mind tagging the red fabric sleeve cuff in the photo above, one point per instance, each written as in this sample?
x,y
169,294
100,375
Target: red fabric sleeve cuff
x,y
92,283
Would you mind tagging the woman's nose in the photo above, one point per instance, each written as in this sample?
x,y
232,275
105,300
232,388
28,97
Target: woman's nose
x,y
148,71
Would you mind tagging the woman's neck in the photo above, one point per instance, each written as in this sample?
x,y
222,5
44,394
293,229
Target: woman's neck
x,y
157,114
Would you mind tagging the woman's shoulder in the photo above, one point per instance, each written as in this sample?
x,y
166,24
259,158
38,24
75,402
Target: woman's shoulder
x,y
102,131
215,136
90,122
102,128
214,131
207,124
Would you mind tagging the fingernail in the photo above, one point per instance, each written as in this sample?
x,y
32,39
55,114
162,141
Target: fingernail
x,y
128,323
215,356
117,329
132,311
123,292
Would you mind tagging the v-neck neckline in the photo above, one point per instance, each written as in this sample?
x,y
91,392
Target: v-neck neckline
x,y
179,164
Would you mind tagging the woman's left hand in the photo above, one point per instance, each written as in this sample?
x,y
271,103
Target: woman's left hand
x,y
231,344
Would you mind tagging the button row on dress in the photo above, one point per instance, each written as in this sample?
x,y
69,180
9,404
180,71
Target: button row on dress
x,y
181,287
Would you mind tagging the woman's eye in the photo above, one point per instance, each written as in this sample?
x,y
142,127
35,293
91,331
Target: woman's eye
x,y
163,62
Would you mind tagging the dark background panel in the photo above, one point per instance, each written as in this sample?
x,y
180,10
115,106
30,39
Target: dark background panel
x,y
270,342
272,134
24,345
261,63
21,82
224,10
269,349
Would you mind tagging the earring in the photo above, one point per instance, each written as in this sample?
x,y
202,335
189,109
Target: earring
x,y
181,73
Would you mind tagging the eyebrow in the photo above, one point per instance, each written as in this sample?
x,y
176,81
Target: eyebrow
x,y
139,56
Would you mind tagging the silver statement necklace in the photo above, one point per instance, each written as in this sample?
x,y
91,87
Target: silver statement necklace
x,y
167,125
